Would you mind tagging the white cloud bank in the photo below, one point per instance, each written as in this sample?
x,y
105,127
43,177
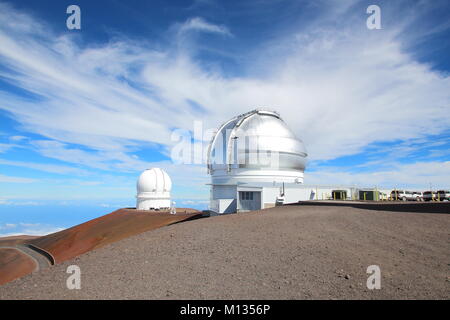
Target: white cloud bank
x,y
30,229
338,89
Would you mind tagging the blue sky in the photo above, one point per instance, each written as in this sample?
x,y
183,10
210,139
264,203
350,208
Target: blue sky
x,y
82,112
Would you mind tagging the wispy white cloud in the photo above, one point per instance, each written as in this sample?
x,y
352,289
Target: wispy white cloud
x,y
8,226
52,168
339,89
5,147
15,202
14,142
10,179
17,138
200,24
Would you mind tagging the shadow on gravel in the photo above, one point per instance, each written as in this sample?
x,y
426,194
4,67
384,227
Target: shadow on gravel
x,y
427,207
198,216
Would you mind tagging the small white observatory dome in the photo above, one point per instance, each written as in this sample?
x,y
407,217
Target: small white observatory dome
x,y
153,190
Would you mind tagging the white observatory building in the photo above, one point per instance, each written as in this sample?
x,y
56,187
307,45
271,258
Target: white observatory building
x,y
153,190
255,161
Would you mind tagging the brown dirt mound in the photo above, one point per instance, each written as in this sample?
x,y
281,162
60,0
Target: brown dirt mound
x,y
120,224
14,264
14,240
72,242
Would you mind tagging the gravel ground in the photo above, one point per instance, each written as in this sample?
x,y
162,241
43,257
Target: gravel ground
x,y
290,252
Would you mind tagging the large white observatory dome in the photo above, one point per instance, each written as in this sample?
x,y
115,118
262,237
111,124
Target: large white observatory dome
x,y
153,190
256,146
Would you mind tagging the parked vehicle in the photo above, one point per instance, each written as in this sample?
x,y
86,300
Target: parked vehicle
x,y
429,195
443,195
403,195
418,195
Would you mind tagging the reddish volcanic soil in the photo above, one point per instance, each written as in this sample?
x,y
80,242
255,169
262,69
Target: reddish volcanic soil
x,y
120,224
290,252
14,264
24,251
13,240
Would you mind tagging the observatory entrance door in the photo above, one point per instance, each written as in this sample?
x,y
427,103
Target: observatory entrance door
x,y
249,200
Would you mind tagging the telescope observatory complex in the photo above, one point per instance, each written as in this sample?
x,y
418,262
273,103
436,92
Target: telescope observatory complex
x,y
255,161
